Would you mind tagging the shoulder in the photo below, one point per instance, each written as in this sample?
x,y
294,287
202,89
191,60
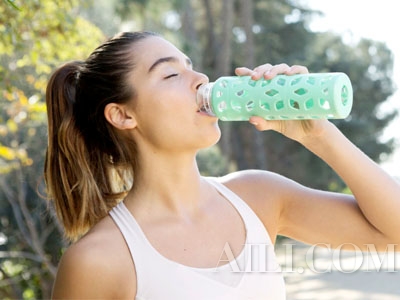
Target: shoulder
x,y
265,192
271,185
96,266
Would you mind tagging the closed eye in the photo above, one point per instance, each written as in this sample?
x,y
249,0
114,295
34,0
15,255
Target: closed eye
x,y
170,76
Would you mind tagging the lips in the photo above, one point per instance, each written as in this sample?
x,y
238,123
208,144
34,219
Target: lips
x,y
202,109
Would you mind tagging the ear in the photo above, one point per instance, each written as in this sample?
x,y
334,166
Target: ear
x,y
119,116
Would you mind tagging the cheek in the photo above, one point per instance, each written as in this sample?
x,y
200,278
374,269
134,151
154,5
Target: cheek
x,y
170,121
162,130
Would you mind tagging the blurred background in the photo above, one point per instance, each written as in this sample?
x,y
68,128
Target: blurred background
x,y
355,37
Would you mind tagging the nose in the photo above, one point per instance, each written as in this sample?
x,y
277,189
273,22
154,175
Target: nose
x,y
200,80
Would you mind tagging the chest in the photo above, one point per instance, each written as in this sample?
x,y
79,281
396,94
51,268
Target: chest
x,y
201,242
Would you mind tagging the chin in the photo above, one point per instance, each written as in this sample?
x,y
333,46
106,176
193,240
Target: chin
x,y
212,139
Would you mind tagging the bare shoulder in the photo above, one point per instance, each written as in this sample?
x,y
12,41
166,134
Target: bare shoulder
x,y
265,184
265,192
98,266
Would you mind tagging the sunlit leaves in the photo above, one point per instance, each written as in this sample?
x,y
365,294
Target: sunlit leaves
x,y
11,3
34,40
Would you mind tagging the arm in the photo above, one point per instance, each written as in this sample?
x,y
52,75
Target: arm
x,y
81,276
372,215
98,266
376,193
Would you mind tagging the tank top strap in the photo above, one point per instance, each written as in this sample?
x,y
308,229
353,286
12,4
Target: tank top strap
x,y
258,233
160,278
130,229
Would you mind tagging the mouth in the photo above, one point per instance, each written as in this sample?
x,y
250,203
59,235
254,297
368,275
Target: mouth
x,y
202,109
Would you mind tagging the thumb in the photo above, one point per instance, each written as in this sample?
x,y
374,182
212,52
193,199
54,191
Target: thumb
x,y
243,71
262,124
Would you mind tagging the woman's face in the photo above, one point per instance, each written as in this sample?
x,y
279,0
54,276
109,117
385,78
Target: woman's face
x,y
165,105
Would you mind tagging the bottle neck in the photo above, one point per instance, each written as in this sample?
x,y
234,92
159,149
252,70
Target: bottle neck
x,y
203,98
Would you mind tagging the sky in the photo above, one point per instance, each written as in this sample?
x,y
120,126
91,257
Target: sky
x,y
377,20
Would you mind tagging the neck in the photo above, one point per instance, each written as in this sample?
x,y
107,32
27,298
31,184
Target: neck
x,y
167,183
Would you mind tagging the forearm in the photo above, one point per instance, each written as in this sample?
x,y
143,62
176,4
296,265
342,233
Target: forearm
x,y
377,193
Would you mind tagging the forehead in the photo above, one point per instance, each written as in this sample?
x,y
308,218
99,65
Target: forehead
x,y
153,48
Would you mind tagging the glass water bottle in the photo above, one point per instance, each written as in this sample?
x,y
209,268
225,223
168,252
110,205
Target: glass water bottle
x,y
285,97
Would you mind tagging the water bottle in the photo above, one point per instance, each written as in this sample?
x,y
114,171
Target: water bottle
x,y
285,97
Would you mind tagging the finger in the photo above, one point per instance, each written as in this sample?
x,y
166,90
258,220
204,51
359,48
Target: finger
x,y
296,69
262,124
260,71
243,71
275,70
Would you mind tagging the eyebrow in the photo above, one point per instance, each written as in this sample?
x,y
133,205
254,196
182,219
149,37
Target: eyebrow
x,y
168,59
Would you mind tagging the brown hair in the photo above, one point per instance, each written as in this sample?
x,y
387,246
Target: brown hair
x,y
89,164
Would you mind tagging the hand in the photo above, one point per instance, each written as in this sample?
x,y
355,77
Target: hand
x,y
269,71
297,130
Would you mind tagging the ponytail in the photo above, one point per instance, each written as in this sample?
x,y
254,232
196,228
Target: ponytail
x,y
89,164
71,171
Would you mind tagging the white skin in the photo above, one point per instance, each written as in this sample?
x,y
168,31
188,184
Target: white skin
x,y
172,202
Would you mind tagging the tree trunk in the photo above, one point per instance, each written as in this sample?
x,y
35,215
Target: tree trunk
x,y
255,145
211,48
192,45
222,52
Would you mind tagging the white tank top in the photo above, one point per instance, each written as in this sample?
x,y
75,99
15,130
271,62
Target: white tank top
x,y
253,274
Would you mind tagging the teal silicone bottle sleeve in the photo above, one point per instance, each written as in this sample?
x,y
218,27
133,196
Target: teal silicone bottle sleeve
x,y
301,96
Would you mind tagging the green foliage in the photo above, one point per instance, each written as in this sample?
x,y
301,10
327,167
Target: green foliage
x,y
11,2
212,162
369,65
281,35
34,39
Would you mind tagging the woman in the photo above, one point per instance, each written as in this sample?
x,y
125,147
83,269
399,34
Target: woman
x,y
124,125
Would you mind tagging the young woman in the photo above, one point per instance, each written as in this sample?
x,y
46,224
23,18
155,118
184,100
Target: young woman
x,y
124,130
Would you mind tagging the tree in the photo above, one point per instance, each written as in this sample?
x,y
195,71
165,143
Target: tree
x,y
226,34
371,79
281,34
33,40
